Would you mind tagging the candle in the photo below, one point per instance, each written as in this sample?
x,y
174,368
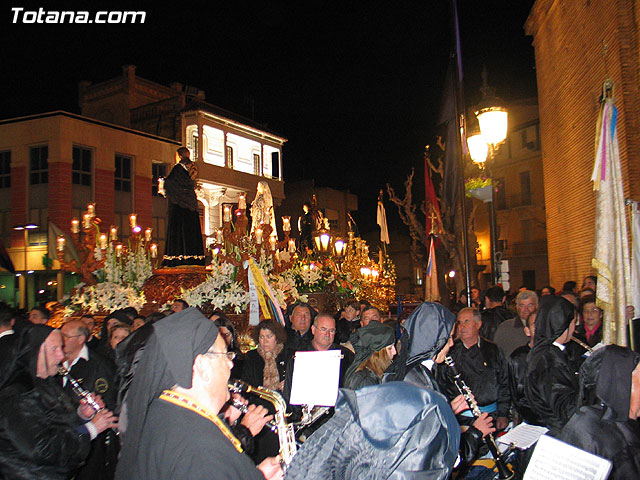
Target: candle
x,y
272,242
75,225
119,250
227,214
154,250
292,245
161,186
267,216
242,201
60,243
219,236
286,224
147,235
133,220
258,236
91,209
113,234
103,241
86,221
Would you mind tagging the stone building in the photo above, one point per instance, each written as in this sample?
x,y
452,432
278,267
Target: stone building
x,y
578,45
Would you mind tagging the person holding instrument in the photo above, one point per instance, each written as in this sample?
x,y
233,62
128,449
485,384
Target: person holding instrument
x,y
42,433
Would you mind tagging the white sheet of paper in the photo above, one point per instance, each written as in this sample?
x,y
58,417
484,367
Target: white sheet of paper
x,y
561,461
316,377
523,436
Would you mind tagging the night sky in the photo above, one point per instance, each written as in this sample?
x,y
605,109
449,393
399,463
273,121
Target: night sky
x,y
355,86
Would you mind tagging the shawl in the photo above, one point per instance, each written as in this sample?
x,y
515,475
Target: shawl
x,y
271,376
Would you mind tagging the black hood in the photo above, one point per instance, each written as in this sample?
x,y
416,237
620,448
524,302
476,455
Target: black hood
x,y
429,327
554,317
613,386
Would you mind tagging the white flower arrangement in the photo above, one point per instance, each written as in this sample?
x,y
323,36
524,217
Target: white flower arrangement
x,y
131,270
105,297
285,290
220,289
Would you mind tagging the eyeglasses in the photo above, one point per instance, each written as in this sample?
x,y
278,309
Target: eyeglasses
x,y
229,355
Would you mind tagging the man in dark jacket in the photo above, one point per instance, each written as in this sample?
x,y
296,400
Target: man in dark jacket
x,y
495,312
299,330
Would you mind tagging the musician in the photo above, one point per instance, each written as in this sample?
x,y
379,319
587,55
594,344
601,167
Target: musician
x,y
173,403
550,385
607,425
483,367
42,434
517,366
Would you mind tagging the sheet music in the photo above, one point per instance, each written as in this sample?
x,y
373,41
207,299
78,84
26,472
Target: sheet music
x,y
523,436
316,377
561,461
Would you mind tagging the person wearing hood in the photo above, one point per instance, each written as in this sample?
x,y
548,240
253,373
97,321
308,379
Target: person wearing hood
x,y
607,425
103,347
374,347
42,433
550,386
180,386
393,430
424,344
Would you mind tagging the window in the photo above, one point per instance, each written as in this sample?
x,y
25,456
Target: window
x,y
39,165
229,156
257,164
501,194
122,174
158,170
5,169
525,188
81,167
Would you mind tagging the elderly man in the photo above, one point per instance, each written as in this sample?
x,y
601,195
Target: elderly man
x,y
299,332
180,387
510,334
483,367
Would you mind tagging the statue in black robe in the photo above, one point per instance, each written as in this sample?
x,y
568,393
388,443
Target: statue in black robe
x,y
184,235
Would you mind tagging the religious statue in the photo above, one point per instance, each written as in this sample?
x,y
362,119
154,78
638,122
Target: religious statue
x,y
184,234
306,226
262,209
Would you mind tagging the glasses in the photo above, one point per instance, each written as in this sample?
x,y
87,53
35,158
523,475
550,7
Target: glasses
x,y
229,355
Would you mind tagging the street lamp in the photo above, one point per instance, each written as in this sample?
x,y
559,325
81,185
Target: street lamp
x,y
25,229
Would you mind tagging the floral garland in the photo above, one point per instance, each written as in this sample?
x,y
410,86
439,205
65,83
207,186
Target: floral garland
x,y
104,296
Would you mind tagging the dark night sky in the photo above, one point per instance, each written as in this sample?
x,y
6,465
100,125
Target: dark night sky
x,y
355,86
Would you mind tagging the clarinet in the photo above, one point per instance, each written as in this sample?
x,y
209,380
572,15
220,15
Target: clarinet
x,y
79,391
235,403
504,473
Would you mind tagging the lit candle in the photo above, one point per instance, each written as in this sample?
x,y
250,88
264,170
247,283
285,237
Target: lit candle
x,y
286,224
147,235
103,241
133,220
91,209
258,236
267,216
242,201
113,234
75,225
227,214
161,186
219,236
60,243
292,245
272,242
86,221
154,250
119,250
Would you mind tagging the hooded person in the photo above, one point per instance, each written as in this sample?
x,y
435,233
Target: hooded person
x,y
607,425
42,434
374,351
173,402
114,318
393,430
550,387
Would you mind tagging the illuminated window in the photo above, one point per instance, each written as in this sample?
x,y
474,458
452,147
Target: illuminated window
x,y
229,157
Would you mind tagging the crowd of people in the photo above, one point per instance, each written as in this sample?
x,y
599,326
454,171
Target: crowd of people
x,y
148,397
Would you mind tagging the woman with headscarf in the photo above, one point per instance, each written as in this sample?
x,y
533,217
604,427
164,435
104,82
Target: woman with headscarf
x,y
374,347
42,434
550,386
178,390
607,425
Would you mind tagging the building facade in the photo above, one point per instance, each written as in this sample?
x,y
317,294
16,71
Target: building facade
x,y
578,45
52,165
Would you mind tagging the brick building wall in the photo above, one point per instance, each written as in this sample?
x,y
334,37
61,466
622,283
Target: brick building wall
x,y
568,38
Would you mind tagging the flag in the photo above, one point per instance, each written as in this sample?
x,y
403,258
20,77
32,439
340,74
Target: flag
x,y
70,252
382,221
431,291
611,247
635,256
433,208
5,259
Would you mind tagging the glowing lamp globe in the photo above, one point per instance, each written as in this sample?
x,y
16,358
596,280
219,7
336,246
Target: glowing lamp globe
x,y
478,148
493,124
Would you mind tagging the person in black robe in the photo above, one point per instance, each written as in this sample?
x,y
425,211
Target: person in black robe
x,y
177,392
184,234
306,225
42,433
550,385
607,425
517,366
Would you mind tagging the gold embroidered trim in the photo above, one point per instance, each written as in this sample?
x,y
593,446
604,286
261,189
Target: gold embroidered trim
x,y
176,398
182,257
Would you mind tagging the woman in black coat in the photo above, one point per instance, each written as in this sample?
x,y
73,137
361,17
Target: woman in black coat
x,y
265,366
